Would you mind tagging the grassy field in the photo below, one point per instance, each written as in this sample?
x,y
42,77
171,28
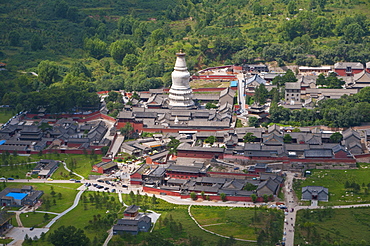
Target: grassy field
x,y
236,222
35,219
5,115
333,227
5,241
68,192
81,164
17,171
87,215
98,211
335,181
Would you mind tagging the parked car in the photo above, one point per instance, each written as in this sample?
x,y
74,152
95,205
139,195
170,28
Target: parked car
x,y
124,186
10,178
72,180
101,181
77,181
106,188
31,228
2,179
50,179
113,190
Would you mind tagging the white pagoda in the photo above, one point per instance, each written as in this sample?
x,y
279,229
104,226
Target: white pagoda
x,y
181,95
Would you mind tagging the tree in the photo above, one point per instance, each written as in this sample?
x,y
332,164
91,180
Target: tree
x,y
254,197
47,72
14,38
287,138
193,196
36,42
203,195
249,137
46,216
154,200
265,198
260,94
127,130
223,197
157,36
61,9
354,33
210,105
173,144
336,137
249,187
104,150
68,236
211,140
120,48
292,6
96,47
253,121
204,45
257,9
130,61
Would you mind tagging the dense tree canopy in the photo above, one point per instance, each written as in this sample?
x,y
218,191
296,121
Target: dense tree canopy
x,y
344,112
52,35
68,236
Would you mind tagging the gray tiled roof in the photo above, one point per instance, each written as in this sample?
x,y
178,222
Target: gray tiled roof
x,y
314,153
344,65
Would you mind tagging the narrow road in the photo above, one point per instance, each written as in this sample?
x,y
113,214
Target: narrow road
x,y
69,170
109,237
291,203
75,203
18,218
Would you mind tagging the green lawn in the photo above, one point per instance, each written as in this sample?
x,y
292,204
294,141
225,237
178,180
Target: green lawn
x,y
36,219
5,241
333,227
335,181
98,211
68,192
17,171
236,222
88,214
5,115
81,164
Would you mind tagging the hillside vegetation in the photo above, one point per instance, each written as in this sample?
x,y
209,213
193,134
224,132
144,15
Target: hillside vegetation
x,y
80,47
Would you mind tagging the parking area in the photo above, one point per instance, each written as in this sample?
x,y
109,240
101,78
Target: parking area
x,y
18,233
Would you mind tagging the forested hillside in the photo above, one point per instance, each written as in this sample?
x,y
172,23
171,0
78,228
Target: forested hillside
x,y
88,45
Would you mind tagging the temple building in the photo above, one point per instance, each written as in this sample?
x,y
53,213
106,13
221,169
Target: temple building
x,y
181,95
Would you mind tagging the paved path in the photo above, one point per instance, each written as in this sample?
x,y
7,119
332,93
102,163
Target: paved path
x,y
109,237
196,222
18,218
69,170
291,203
117,145
75,203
